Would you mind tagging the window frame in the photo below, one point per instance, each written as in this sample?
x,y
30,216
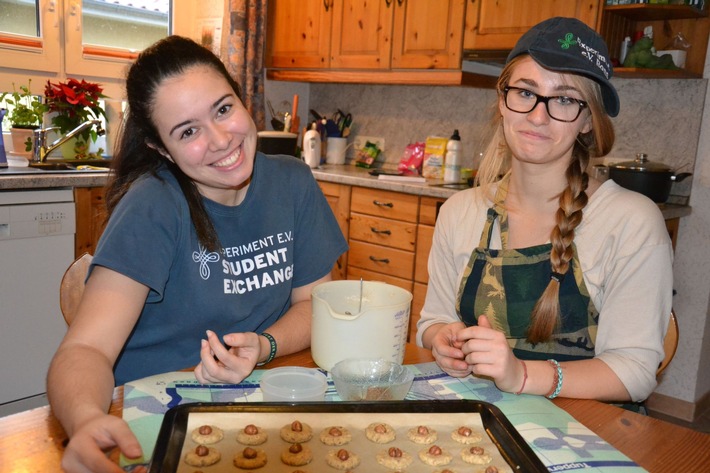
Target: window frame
x,y
41,54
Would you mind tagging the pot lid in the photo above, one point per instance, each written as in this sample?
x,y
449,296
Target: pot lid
x,y
641,163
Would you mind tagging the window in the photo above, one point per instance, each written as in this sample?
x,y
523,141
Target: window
x,y
111,33
100,37
29,35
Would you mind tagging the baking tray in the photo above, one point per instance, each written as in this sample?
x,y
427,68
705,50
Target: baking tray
x,y
167,456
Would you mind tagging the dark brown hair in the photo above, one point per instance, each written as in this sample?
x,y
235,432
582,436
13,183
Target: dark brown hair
x,y
133,157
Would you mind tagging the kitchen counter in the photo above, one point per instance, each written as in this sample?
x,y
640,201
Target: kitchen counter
x,y
11,179
339,174
355,176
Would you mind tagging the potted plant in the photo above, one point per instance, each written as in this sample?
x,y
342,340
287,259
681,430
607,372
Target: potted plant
x,y
70,104
25,113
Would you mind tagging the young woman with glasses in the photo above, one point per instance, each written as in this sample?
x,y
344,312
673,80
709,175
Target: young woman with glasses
x,y
543,279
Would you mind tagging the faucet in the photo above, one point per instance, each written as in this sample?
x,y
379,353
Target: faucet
x,y
41,149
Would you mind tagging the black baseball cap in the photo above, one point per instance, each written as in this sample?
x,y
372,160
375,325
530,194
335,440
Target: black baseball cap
x,y
568,45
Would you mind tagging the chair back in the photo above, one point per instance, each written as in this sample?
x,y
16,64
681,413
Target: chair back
x,y
72,286
670,343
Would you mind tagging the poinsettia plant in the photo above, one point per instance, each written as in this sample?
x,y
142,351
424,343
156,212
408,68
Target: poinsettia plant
x,y
74,102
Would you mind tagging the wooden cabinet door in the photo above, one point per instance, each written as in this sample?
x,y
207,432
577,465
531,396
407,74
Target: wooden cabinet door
x,y
298,33
428,34
362,34
418,298
498,24
90,218
338,197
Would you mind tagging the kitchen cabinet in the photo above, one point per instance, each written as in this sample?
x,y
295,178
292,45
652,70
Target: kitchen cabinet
x,y
298,33
428,34
90,216
619,21
498,24
390,238
357,41
338,197
382,236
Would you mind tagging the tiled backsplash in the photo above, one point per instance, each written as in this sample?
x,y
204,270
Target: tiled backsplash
x,y
659,117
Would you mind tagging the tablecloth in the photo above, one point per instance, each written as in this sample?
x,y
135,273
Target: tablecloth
x,y
560,441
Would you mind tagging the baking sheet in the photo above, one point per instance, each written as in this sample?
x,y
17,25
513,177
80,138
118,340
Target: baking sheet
x,y
500,439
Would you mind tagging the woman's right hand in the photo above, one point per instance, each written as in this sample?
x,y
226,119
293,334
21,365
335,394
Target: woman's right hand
x,y
447,350
85,452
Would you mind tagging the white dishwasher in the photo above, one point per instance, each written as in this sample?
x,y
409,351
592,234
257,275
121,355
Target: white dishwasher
x,y
37,230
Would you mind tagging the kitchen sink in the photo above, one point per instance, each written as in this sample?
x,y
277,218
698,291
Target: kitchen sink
x,y
71,164
53,166
68,166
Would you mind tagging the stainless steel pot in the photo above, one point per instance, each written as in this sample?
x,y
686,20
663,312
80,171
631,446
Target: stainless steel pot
x,y
651,179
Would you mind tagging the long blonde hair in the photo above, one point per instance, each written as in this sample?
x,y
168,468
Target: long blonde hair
x,y
545,317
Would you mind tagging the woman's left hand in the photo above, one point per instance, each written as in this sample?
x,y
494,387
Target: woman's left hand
x,y
487,351
227,365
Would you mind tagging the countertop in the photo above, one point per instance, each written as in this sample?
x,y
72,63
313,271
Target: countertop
x,y
338,174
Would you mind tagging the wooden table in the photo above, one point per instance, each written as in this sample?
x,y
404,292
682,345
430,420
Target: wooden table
x,y
32,441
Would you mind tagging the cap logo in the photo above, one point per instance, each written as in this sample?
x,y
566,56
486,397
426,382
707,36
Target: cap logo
x,y
594,56
568,41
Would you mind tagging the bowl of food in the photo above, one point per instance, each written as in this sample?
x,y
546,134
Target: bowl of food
x,y
366,379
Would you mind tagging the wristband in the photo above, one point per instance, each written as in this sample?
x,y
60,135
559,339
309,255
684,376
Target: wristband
x,y
272,348
556,381
525,378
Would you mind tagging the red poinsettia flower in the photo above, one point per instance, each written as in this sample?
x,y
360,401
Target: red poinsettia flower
x,y
73,102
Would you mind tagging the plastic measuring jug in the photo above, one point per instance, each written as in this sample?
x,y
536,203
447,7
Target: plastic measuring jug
x,y
340,331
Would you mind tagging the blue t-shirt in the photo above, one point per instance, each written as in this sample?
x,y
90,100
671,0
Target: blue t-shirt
x,y
282,236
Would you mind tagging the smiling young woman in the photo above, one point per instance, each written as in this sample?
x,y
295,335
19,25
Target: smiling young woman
x,y
207,257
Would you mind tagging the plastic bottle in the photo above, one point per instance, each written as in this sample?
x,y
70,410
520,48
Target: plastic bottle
x,y
312,147
452,161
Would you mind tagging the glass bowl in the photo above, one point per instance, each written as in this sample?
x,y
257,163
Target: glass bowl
x,y
365,379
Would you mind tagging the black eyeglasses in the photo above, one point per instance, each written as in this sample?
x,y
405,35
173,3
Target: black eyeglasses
x,y
559,107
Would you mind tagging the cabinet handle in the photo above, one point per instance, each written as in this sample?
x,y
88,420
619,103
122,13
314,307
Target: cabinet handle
x,y
388,2
383,204
400,2
381,232
327,4
380,260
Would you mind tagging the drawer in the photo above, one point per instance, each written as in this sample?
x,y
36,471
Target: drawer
x,y
381,259
383,231
379,203
357,273
329,188
425,235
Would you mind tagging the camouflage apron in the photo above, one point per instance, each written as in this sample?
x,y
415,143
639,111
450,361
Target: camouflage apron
x,y
505,284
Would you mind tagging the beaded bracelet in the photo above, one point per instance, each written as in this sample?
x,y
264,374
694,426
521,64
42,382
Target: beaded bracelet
x,y
272,348
557,380
525,378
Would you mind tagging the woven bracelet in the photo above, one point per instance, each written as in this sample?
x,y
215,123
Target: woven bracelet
x,y
525,378
272,349
557,380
